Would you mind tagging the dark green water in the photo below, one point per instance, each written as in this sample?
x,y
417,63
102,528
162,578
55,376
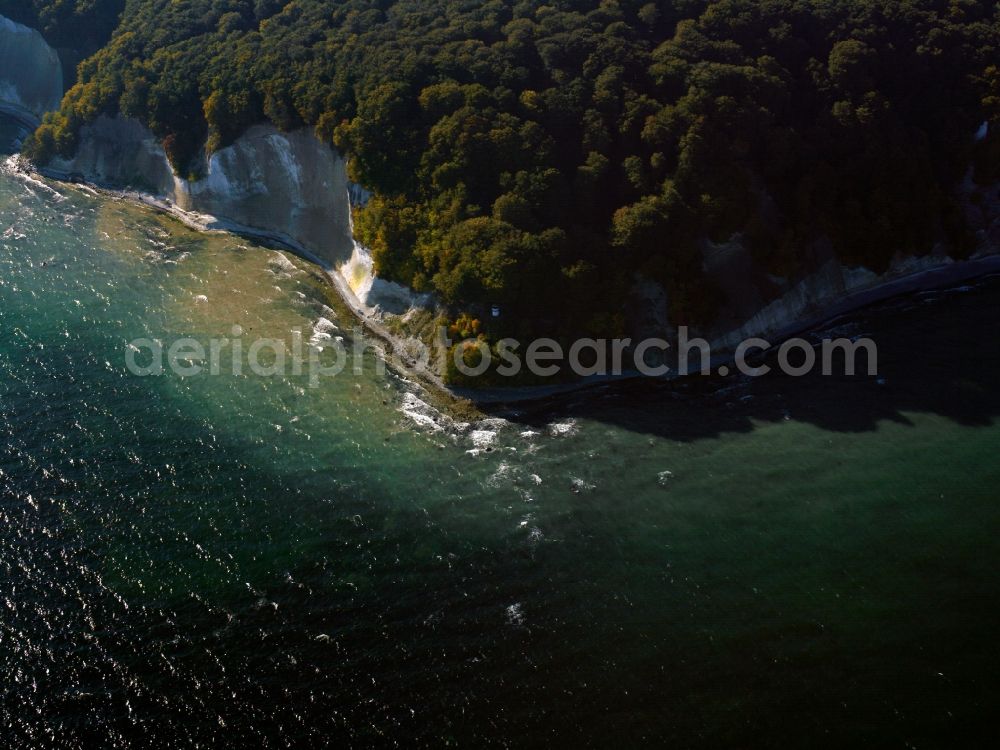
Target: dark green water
x,y
247,561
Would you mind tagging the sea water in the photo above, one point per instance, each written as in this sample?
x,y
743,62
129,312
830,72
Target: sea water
x,y
243,559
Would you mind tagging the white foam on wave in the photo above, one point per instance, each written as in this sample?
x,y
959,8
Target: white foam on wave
x,y
14,166
420,413
484,433
323,330
515,614
482,438
325,325
504,475
281,262
535,535
563,429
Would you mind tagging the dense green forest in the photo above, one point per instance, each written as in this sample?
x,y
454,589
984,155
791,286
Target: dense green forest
x,y
82,25
538,154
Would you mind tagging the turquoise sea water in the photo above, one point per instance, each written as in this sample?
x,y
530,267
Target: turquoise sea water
x,y
246,560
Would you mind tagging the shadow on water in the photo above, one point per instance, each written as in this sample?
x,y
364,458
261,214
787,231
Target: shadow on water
x,y
938,353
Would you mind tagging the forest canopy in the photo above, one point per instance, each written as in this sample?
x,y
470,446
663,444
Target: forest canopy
x,y
538,155
84,25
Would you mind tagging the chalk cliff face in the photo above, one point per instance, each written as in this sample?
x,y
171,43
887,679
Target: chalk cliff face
x,y
286,184
30,73
120,153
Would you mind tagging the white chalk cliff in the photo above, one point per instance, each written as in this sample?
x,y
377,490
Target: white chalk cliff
x,y
31,80
289,186
286,184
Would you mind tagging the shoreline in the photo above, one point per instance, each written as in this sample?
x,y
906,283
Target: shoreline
x,y
394,349
938,278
